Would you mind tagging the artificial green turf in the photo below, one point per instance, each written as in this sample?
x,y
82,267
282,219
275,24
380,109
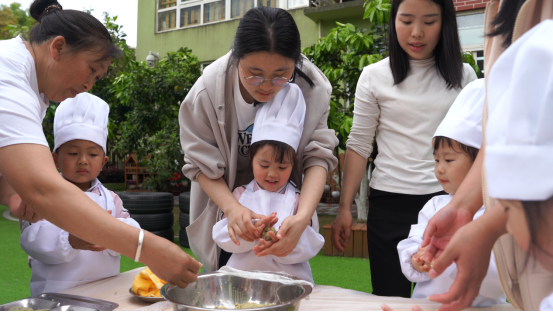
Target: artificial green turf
x,y
116,187
15,274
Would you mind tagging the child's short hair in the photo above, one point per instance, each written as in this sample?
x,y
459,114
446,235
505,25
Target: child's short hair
x,y
281,151
470,151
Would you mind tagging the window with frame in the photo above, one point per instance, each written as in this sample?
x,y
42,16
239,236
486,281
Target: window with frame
x,y
190,16
297,3
239,7
268,3
164,4
471,30
214,11
167,20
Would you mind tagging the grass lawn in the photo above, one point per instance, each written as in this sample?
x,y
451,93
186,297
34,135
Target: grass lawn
x,y
116,187
351,273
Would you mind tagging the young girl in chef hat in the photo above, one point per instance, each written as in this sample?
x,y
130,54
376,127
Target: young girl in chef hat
x,y
59,259
275,138
519,150
456,144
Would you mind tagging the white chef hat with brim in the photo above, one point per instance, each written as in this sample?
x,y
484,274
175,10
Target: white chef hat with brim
x,y
463,122
519,133
84,117
282,118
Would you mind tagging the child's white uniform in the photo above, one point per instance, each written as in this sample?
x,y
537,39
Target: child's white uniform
x,y
56,265
265,203
547,303
491,292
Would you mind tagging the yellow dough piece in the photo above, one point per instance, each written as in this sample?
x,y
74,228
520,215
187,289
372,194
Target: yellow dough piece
x,y
148,274
147,284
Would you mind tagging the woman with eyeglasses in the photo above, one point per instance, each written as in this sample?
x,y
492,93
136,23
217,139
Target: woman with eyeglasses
x,y
216,121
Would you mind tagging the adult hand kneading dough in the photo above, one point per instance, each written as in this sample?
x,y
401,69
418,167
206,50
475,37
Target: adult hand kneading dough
x,y
57,63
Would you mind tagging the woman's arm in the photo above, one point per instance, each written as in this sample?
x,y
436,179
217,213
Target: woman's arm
x,y
366,115
30,170
460,211
470,249
293,227
354,166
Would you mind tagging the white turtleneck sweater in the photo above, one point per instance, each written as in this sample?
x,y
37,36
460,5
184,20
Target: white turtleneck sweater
x,y
404,117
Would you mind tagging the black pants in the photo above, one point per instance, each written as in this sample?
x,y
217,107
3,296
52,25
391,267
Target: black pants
x,y
389,222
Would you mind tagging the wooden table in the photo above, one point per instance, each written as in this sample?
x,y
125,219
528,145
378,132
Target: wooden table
x,y
323,298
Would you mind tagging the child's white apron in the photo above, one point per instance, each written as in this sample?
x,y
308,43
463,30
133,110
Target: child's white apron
x,y
296,264
67,267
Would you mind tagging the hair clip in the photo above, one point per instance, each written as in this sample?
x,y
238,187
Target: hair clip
x,y
51,8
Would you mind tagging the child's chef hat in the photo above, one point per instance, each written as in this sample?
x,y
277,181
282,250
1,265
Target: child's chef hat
x,y
463,122
83,117
281,119
519,133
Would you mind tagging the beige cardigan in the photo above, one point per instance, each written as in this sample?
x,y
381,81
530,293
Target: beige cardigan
x,y
209,139
525,288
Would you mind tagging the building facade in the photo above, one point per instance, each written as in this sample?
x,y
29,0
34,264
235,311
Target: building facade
x,y
208,26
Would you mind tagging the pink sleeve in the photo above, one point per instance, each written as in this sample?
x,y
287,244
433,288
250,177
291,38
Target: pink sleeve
x,y
297,204
237,194
119,212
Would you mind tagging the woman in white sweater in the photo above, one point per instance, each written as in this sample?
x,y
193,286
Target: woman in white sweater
x,y
402,99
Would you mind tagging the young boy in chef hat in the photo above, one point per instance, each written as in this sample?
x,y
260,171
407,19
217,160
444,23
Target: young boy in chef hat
x,y
59,259
456,144
275,138
519,149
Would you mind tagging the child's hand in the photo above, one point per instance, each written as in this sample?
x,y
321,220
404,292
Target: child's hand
x,y
268,221
418,262
385,307
263,244
78,243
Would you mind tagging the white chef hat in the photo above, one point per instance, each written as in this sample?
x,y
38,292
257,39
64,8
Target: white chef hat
x,y
281,119
83,117
519,133
463,122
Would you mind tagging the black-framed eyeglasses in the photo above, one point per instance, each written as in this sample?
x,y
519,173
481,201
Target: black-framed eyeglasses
x,y
257,80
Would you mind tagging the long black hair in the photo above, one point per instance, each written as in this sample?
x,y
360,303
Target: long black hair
x,y
269,30
504,22
537,217
82,31
447,54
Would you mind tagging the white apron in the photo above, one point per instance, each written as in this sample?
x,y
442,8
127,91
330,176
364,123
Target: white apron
x,y
265,202
56,265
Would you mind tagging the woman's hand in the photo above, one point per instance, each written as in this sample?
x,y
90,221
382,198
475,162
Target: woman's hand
x,y
441,228
288,236
470,249
341,229
240,224
168,261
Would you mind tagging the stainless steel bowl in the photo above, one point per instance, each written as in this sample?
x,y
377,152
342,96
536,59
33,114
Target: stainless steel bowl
x,y
73,308
225,290
30,303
